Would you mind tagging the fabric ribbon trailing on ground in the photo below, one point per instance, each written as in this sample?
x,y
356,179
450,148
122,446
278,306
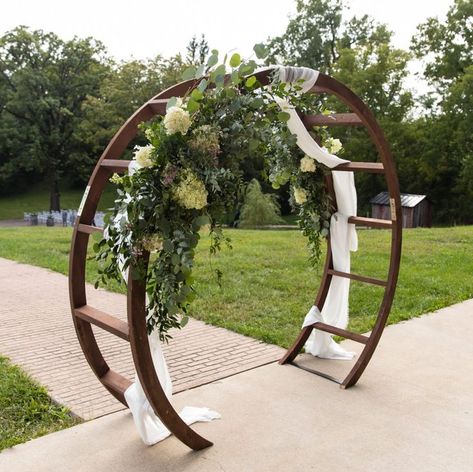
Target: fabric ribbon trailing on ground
x,y
343,237
149,426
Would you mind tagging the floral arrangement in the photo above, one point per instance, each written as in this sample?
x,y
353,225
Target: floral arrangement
x,y
189,177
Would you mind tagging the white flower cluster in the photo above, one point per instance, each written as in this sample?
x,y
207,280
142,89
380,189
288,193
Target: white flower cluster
x,y
177,120
153,243
307,164
300,195
143,155
333,145
191,193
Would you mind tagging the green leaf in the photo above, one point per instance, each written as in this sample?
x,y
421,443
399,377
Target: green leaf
x,y
168,246
235,60
184,321
284,116
260,51
200,71
197,95
192,106
235,77
203,85
250,81
171,103
213,59
189,73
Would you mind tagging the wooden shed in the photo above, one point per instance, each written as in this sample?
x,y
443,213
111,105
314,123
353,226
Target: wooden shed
x,y
416,209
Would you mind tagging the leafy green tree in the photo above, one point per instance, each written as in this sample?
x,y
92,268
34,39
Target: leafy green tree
x,y
44,82
197,50
259,209
447,158
125,88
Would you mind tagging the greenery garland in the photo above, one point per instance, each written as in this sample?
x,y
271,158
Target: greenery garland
x,y
189,177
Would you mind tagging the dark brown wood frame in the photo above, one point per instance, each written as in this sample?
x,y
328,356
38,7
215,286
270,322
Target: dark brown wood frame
x,y
135,330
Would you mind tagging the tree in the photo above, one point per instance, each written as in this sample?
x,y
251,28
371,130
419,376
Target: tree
x,y
197,51
447,158
44,82
259,209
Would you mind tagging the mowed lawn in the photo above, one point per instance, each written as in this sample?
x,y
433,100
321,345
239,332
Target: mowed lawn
x,y
268,284
26,410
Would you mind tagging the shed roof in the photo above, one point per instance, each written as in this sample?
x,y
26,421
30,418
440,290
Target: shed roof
x,y
408,200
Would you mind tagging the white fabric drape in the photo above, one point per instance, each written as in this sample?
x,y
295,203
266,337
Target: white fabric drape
x,y
149,426
343,236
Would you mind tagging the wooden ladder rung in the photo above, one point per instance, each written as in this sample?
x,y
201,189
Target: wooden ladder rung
x,y
115,165
336,119
359,278
359,338
158,106
103,320
372,167
370,222
89,229
115,381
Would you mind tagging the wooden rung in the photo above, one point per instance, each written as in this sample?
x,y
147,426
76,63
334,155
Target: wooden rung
x,y
371,167
103,320
370,222
115,381
89,229
337,119
359,338
158,106
359,278
115,165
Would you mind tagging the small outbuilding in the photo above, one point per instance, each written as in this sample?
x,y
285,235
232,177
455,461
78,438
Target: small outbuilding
x,y
416,209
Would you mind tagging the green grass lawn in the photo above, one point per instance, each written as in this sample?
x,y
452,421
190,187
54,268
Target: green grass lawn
x,y
37,199
268,285
26,411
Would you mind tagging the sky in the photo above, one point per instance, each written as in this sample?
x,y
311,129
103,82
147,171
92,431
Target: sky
x,y
147,28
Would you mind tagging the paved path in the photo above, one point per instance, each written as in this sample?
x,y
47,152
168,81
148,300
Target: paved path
x,y
36,332
411,412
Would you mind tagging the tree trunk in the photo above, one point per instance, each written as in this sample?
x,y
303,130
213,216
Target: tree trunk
x,y
54,197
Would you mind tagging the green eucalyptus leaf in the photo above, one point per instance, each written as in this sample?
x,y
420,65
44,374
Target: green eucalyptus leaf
x,y
192,106
284,116
200,71
235,60
197,95
213,59
184,321
250,81
171,103
260,50
189,73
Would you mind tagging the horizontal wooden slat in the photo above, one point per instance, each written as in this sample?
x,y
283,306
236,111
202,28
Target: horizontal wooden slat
x,y
371,167
359,338
158,106
115,165
115,381
89,229
359,278
104,320
337,119
370,222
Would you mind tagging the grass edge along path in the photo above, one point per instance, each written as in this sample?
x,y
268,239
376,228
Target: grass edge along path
x,y
26,410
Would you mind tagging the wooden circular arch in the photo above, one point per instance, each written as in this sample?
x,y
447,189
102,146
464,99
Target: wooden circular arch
x,y
135,330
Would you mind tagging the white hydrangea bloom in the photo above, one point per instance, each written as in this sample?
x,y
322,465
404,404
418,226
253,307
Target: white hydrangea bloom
x,y
153,243
307,164
191,192
333,145
300,195
143,154
177,120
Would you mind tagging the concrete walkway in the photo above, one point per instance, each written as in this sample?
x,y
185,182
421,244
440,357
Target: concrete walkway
x,y
411,412
37,333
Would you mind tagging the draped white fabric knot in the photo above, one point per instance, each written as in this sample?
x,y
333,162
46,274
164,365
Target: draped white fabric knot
x,y
343,237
